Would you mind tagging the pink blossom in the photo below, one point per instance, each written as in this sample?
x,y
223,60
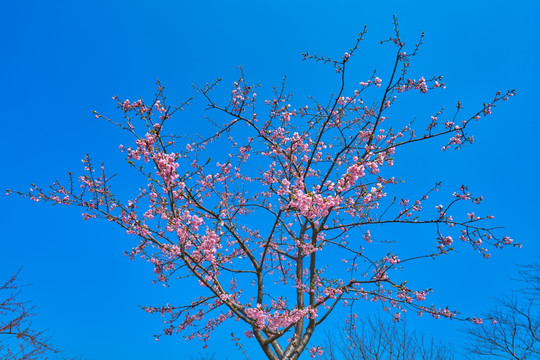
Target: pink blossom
x,y
477,320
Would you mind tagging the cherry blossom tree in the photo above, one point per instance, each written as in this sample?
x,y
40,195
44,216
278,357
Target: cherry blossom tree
x,y
18,338
273,215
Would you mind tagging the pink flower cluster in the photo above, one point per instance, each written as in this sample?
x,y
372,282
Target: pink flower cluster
x,y
316,351
167,165
278,320
208,247
419,84
313,205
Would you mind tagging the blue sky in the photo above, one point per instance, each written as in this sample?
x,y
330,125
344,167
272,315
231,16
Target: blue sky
x,y
62,59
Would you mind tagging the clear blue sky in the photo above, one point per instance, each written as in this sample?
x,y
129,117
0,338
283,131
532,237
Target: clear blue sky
x,y
62,59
